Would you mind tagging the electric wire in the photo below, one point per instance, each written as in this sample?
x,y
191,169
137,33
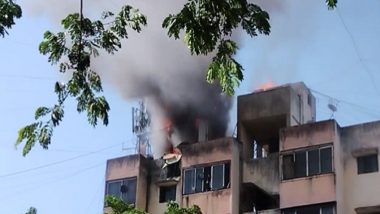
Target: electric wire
x,y
57,162
365,67
365,109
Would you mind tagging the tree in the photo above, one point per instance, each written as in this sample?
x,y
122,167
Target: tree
x,y
32,210
207,27
118,206
9,11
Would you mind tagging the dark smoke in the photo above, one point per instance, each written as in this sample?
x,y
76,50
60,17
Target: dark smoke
x,y
156,68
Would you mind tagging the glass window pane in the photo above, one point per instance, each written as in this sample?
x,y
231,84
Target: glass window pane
x,y
288,166
207,178
199,179
300,165
313,161
367,164
328,210
188,181
167,193
113,188
129,193
326,160
217,176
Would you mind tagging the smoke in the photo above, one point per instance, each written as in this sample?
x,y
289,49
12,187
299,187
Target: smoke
x,y
159,69
278,57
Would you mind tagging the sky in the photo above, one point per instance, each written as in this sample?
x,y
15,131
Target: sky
x,y
336,54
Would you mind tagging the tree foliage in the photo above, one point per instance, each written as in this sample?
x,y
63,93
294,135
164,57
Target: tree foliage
x,y
118,206
9,11
206,26
72,50
31,210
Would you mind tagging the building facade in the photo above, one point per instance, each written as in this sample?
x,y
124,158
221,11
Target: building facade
x,y
282,161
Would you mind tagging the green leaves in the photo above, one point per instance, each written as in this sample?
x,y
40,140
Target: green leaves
x,y
9,11
173,208
206,24
72,50
331,4
32,210
224,68
120,207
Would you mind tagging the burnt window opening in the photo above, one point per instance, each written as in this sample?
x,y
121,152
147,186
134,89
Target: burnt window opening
x,y
328,208
208,178
368,164
124,189
167,193
307,163
173,170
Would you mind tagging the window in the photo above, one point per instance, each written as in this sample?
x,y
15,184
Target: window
x,y
203,179
124,189
167,193
368,164
313,209
307,163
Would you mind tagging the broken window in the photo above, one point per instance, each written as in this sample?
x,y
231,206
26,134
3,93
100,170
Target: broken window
x,y
307,163
368,164
202,179
124,189
167,193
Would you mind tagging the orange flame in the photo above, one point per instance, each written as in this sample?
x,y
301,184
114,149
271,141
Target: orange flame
x,y
266,86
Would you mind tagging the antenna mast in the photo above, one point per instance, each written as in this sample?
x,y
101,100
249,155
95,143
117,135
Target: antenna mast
x,y
141,128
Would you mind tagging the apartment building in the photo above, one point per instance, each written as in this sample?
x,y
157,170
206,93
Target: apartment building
x,y
282,161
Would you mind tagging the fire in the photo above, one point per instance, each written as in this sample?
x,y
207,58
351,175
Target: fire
x,y
265,86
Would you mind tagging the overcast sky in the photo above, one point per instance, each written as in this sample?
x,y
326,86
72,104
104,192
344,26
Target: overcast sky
x,y
336,53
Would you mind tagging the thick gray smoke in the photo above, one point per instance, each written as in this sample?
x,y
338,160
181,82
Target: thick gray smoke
x,y
159,69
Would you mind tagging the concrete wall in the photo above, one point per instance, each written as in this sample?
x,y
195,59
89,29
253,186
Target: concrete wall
x,y
264,172
130,166
223,201
308,111
308,190
360,190
312,189
307,135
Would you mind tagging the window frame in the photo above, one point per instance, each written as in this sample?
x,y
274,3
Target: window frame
x,y
167,188
364,170
122,182
306,151
203,166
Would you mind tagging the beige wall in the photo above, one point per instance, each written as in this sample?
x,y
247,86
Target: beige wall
x,y
312,189
309,190
130,166
123,167
211,202
307,135
360,190
220,201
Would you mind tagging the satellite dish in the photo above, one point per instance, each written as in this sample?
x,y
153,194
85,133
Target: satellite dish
x,y
332,107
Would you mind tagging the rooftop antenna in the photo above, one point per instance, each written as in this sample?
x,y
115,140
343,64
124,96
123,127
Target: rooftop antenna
x,y
333,104
141,128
